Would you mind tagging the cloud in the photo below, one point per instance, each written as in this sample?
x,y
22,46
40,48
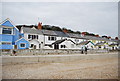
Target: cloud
x,y
95,17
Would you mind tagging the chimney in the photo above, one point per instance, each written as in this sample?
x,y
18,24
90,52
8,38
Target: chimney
x,y
83,33
39,26
65,30
97,36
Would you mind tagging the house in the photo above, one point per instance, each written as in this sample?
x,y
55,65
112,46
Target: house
x,y
9,34
49,37
77,38
113,46
101,45
64,44
34,36
22,44
88,44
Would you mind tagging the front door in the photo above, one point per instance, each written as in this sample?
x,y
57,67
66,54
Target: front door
x,y
15,46
34,46
56,46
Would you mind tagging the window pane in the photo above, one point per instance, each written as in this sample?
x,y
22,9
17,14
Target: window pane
x,y
6,43
52,38
29,36
48,38
7,31
22,45
31,45
37,36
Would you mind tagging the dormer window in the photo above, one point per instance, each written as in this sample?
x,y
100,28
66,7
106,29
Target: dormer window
x,y
7,31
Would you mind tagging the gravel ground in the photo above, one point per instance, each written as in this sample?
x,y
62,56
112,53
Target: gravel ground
x,y
80,69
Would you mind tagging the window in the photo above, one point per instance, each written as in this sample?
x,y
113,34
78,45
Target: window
x,y
22,45
32,36
51,38
48,38
37,36
7,31
31,45
39,45
29,36
6,43
76,40
63,46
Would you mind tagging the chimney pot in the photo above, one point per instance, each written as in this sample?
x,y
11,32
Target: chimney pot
x,y
39,26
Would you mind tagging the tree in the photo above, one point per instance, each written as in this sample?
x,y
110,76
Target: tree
x,y
104,36
77,32
56,28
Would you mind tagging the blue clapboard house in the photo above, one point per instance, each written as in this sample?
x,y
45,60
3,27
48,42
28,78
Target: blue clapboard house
x,y
10,37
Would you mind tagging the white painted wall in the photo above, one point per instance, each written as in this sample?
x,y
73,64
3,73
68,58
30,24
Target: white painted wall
x,y
36,43
40,39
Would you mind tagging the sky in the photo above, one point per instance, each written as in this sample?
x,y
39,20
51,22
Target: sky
x,y
93,17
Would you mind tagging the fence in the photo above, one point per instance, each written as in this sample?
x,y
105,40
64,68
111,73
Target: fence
x,y
50,51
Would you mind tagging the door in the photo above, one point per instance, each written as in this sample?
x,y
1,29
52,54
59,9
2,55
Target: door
x,y
56,46
15,46
34,46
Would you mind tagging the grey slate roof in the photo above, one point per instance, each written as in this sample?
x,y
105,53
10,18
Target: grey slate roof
x,y
72,35
100,44
61,34
113,44
58,41
83,42
62,40
32,31
98,38
49,32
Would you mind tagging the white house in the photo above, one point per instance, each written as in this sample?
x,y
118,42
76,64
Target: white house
x,y
34,36
49,37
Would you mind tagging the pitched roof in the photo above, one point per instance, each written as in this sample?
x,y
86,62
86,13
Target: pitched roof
x,y
61,34
49,32
20,40
32,31
113,44
8,23
72,35
83,42
59,41
100,44
62,40
98,38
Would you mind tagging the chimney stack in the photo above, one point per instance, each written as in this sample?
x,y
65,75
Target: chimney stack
x,y
39,26
65,30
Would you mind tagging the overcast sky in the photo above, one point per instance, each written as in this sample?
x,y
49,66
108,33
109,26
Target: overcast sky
x,y
94,17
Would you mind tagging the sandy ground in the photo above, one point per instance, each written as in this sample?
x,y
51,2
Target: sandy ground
x,y
80,69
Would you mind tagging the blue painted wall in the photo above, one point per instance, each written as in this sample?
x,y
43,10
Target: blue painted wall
x,y
12,38
22,41
5,46
7,37
16,35
0,41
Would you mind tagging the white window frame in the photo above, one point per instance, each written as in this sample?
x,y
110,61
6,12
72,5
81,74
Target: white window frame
x,y
55,38
11,31
22,43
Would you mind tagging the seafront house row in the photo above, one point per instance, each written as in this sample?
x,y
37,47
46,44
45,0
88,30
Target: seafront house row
x,y
25,37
